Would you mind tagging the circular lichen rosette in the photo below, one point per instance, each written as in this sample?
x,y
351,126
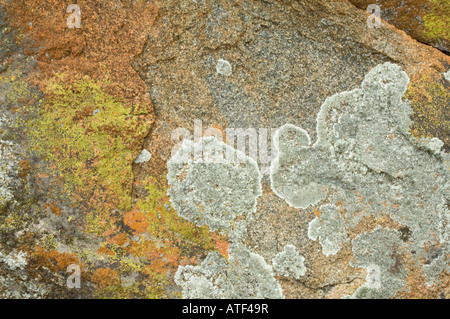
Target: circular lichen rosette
x,y
213,184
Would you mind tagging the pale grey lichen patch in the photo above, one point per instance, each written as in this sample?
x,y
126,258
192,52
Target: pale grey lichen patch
x,y
128,281
213,184
210,188
15,260
367,164
20,286
8,165
381,247
289,263
244,275
145,156
433,144
363,164
436,267
329,227
15,282
224,67
447,75
292,182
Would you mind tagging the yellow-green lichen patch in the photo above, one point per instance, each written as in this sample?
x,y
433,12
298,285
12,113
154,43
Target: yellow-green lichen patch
x,y
155,241
430,101
85,141
437,22
89,140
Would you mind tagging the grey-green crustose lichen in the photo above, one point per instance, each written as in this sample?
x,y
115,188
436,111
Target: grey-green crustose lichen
x,y
216,185
289,263
365,163
329,229
212,183
379,248
297,188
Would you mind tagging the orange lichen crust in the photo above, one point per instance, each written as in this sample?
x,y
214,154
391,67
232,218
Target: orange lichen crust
x,y
112,33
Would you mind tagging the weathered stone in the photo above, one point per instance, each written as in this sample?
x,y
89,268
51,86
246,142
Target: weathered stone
x,y
352,206
287,57
424,20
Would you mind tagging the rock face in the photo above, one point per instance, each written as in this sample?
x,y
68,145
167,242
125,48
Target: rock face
x,y
337,186
424,20
286,59
236,179
357,165
257,66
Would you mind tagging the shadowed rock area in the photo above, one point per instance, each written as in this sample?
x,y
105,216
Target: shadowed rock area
x,y
348,126
424,20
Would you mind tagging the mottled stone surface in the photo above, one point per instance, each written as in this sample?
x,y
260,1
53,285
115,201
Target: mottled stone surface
x,y
424,20
286,57
358,163
351,200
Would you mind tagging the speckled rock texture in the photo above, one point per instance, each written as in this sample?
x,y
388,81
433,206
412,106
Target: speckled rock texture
x,y
224,149
424,20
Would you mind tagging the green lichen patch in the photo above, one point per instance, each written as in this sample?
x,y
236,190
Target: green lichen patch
x,y
89,140
436,23
430,100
